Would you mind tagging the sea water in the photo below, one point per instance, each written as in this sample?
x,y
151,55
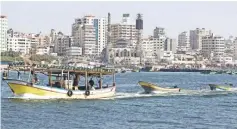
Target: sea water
x,y
194,107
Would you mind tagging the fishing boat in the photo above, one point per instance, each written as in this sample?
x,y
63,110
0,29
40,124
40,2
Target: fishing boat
x,y
222,87
208,72
152,88
66,82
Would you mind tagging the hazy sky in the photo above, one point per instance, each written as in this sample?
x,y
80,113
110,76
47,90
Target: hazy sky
x,y
175,17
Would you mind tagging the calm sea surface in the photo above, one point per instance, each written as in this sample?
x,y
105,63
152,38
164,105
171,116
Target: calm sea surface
x,y
198,108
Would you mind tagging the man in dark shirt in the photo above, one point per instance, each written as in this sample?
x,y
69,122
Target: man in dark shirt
x,y
91,82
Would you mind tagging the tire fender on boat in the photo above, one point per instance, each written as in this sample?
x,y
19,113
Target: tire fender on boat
x,y
87,93
69,93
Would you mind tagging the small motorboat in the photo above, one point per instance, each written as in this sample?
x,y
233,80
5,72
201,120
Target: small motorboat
x,y
152,88
222,87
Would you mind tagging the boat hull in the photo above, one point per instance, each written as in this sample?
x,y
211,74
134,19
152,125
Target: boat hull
x,y
20,88
152,88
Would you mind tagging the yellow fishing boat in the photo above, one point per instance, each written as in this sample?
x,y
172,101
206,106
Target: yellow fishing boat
x,y
152,88
66,85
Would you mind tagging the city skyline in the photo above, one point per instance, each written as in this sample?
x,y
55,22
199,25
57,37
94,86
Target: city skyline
x,y
175,17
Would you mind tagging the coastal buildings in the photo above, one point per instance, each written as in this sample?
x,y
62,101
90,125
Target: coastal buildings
x,y
125,30
3,32
196,37
213,47
19,44
235,49
183,40
22,42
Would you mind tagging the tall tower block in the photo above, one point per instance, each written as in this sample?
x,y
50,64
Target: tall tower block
x,y
109,44
139,27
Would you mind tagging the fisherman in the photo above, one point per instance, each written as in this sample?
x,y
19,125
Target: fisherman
x,y
4,74
19,74
99,83
175,86
91,82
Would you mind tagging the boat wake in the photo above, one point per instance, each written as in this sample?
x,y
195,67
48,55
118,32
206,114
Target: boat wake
x,y
165,94
32,96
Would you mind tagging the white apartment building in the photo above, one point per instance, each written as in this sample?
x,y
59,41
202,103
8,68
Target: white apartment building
x,y
22,42
3,33
90,33
73,51
170,45
196,37
19,44
183,39
147,47
158,46
101,30
213,47
125,30
43,50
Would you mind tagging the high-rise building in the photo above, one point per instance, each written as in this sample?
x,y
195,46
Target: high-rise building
x,y
196,37
170,45
90,33
147,46
100,25
125,30
213,47
183,39
3,33
158,45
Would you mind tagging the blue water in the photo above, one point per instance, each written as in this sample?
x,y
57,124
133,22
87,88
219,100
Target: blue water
x,y
130,109
4,62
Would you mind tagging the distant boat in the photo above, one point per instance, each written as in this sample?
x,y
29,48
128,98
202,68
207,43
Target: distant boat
x,y
146,69
222,87
208,72
183,70
152,88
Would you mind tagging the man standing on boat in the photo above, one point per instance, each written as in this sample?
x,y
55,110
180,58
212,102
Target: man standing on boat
x,y
91,82
19,74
